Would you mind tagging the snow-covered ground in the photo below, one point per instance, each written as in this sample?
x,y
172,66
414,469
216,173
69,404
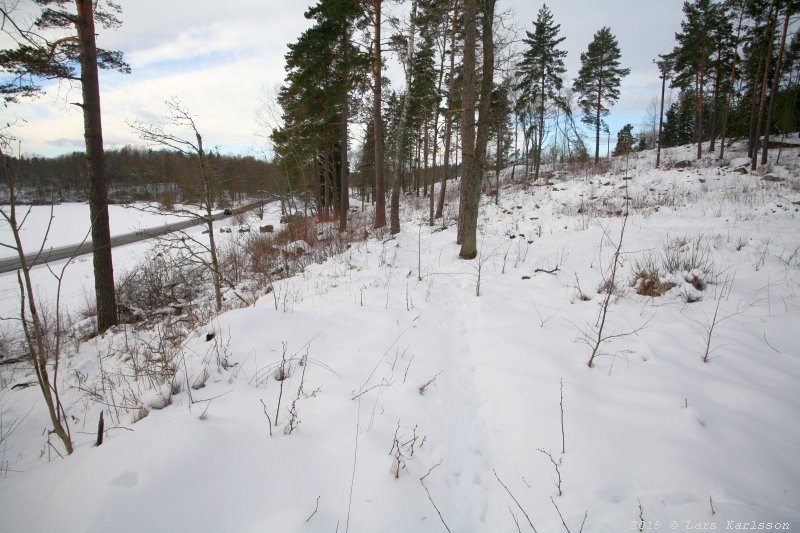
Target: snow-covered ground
x,y
410,403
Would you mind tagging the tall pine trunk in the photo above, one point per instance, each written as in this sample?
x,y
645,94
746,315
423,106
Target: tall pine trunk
x,y
514,151
498,164
699,120
344,194
377,121
540,137
775,82
762,100
468,116
95,157
395,203
597,120
712,121
754,109
448,119
725,114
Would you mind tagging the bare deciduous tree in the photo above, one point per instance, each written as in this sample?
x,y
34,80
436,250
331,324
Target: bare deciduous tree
x,y
42,352
179,118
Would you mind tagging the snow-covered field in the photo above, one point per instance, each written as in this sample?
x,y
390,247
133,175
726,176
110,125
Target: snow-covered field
x,y
69,223
410,404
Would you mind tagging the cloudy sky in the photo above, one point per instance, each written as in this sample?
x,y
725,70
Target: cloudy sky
x,y
219,58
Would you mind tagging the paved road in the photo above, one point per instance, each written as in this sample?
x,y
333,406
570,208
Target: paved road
x,y
10,264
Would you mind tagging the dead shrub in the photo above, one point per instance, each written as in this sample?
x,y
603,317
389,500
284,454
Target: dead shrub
x,y
261,253
692,257
297,229
681,260
608,286
648,279
159,284
233,261
649,283
167,200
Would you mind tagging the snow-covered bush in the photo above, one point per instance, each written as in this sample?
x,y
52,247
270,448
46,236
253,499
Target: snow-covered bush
x,y
683,262
160,284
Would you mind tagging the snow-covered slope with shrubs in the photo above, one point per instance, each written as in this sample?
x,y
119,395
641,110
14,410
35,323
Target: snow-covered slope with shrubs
x,y
402,401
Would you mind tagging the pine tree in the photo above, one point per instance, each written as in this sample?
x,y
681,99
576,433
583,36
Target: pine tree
x,y
501,135
323,68
692,56
408,60
625,141
434,26
423,101
541,71
38,58
735,9
374,11
598,81
679,120
452,103
468,115
789,8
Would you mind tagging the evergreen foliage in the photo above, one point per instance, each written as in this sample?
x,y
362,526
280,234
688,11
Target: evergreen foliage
x,y
541,74
705,31
625,140
598,81
323,67
36,59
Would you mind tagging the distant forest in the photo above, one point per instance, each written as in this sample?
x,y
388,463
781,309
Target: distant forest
x,y
139,174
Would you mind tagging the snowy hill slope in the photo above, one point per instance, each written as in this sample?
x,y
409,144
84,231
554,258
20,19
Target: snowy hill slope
x,y
394,370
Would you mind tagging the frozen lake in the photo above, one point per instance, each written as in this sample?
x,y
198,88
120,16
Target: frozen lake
x,y
70,224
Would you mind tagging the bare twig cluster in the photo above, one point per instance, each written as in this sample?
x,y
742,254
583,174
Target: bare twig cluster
x,y
599,336
402,450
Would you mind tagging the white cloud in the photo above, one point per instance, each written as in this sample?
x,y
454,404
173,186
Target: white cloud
x,y
216,57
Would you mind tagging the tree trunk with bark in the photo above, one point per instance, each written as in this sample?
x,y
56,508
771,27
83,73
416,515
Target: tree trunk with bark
x,y
395,203
473,180
105,295
597,121
208,195
726,112
775,82
377,121
344,192
448,121
762,100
